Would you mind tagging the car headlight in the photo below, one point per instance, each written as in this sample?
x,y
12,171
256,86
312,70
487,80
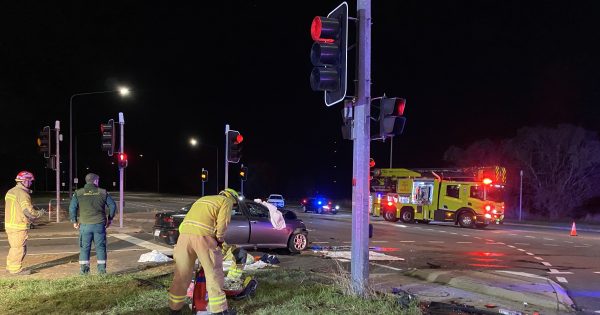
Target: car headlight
x,y
337,207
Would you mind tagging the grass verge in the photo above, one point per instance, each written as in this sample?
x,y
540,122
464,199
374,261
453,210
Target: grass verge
x,y
144,292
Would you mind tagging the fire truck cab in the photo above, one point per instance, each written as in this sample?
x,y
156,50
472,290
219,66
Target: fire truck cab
x,y
469,197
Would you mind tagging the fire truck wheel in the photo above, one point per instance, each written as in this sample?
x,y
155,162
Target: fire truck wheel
x,y
390,215
465,219
407,215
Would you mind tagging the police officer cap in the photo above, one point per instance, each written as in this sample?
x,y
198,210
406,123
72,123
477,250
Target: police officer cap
x,y
91,177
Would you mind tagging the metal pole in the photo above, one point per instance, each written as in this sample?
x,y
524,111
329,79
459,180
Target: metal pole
x,y
57,161
226,163
242,182
202,182
121,169
521,197
361,152
391,149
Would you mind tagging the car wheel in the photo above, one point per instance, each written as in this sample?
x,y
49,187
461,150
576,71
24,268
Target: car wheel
x,y
465,219
390,215
297,242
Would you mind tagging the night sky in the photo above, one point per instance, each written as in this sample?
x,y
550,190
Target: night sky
x,y
470,70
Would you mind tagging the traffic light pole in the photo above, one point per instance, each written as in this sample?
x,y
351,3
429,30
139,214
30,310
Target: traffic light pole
x,y
226,157
361,154
203,183
57,167
242,182
121,169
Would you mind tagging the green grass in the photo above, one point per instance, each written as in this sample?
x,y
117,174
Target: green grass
x,y
144,292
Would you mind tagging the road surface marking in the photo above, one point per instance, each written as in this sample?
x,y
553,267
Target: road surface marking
x,y
524,274
388,267
407,241
539,258
92,251
569,242
520,249
466,235
547,264
142,243
513,234
521,243
45,238
555,245
501,243
464,242
379,241
401,225
597,312
510,246
584,245
320,242
491,241
555,271
429,229
597,272
436,242
529,236
548,239
347,242
442,231
454,233
528,253
562,279
479,238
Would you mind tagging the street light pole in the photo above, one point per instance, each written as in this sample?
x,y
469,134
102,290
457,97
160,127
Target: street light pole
x,y
123,91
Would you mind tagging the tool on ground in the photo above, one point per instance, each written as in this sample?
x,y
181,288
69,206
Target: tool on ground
x,y
200,294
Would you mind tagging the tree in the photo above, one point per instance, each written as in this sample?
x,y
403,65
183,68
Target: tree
x,y
560,165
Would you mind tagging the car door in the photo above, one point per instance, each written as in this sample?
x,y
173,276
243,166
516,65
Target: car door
x,y
238,230
262,232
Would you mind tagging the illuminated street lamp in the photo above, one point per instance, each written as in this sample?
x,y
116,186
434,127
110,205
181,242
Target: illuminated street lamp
x,y
123,91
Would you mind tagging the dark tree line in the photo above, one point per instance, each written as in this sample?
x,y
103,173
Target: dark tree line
x,y
561,168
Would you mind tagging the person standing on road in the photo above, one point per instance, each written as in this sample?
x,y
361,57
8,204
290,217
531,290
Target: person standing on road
x,y
91,201
19,212
201,237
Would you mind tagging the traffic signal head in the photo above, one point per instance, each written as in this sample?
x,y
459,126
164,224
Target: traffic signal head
x,y
329,54
122,160
204,175
43,142
391,122
107,132
244,172
234,146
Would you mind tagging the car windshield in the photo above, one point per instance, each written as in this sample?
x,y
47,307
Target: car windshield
x,y
276,197
491,193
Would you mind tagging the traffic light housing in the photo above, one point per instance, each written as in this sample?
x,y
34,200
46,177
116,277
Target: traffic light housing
x,y
122,160
234,146
244,173
204,175
43,142
391,121
329,54
107,132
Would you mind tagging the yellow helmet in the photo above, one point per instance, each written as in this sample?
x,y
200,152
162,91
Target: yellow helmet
x,y
230,193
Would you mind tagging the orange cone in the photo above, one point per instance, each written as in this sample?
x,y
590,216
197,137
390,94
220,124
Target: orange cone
x,y
573,230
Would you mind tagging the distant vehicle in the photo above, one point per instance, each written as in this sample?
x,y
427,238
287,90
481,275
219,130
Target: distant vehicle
x,y
276,200
250,227
319,205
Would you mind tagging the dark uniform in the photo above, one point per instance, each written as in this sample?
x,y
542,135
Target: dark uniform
x,y
91,202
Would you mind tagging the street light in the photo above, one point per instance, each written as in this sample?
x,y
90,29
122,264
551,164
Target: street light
x,y
194,143
123,91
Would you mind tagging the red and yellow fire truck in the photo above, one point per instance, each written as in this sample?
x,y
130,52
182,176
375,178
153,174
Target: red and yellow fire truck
x,y
469,197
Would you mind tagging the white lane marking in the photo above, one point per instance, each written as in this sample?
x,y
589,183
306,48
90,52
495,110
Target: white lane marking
x,y
407,241
142,243
388,267
538,258
454,233
401,225
438,242
584,245
547,264
555,245
524,274
529,236
491,241
379,241
510,246
569,242
597,272
597,312
347,242
512,234
320,242
429,229
500,243
93,251
521,243
494,243
562,279
466,235
442,231
555,271
520,249
528,253
479,238
464,242
548,239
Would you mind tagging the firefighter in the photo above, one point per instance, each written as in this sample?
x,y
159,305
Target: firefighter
x,y
91,201
19,212
201,237
238,257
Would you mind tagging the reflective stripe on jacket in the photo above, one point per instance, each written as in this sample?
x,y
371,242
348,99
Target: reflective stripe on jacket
x,y
17,204
209,216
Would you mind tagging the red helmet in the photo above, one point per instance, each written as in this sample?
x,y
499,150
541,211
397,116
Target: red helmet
x,y
24,175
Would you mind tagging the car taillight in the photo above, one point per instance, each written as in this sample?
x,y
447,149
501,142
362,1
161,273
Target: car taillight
x,y
304,201
168,220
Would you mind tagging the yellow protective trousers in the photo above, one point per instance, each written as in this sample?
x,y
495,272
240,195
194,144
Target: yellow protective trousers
x,y
204,248
17,240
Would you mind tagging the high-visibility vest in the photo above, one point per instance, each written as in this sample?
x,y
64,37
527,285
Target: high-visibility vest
x,y
208,216
17,200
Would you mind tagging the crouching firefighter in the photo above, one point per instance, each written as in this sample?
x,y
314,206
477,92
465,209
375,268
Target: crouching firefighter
x,y
201,235
238,257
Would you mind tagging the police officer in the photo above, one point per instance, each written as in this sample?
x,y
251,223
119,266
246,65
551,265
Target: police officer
x,y
91,221
201,237
18,214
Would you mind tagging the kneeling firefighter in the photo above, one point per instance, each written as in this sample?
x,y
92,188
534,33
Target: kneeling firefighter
x,y
201,235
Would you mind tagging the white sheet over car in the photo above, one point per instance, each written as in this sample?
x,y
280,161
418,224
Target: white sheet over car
x,y
276,216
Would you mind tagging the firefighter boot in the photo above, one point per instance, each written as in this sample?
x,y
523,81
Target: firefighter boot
x,y
84,269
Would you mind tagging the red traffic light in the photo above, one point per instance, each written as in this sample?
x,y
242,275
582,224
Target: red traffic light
x,y
324,27
122,157
400,105
239,138
371,162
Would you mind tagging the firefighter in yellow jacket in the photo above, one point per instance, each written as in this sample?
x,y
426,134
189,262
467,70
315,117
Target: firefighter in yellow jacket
x,y
18,214
201,235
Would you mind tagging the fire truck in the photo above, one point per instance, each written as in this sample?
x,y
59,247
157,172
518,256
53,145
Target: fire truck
x,y
470,197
